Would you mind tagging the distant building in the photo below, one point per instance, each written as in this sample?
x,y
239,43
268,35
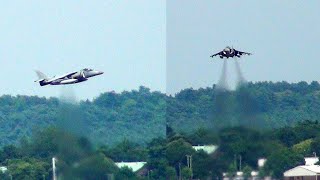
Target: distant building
x,y
209,149
309,171
261,162
3,169
239,176
254,174
135,166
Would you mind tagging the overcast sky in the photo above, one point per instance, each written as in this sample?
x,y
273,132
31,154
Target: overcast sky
x,y
125,39
162,45
282,35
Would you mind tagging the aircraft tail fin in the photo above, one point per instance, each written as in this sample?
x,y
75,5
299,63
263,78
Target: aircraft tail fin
x,y
41,76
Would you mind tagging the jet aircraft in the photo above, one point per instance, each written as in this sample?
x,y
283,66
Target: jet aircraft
x,y
230,52
68,78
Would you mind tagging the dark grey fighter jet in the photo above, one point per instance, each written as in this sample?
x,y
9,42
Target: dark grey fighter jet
x,y
230,52
68,78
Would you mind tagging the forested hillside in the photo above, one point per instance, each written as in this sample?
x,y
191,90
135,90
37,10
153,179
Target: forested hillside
x,y
142,115
137,115
254,105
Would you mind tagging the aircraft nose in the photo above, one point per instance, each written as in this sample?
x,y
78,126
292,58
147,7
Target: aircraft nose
x,y
94,73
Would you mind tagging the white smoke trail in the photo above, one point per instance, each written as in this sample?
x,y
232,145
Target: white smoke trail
x,y
241,80
71,117
223,84
68,95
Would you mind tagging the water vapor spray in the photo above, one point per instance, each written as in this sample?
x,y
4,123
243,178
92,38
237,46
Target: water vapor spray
x,y
70,114
67,95
72,144
222,99
241,80
223,84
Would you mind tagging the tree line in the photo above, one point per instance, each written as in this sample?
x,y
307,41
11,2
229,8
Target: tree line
x,y
142,114
278,121
166,158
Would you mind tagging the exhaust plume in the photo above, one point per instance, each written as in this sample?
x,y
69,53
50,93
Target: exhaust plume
x,y
67,95
241,80
223,84
72,143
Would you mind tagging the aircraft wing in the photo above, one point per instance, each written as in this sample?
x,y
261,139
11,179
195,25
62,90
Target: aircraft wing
x,y
241,53
219,53
67,75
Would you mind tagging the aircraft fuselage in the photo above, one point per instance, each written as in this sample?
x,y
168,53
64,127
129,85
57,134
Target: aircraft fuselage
x,y
229,52
69,78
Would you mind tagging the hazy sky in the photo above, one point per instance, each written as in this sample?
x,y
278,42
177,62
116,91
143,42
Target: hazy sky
x,y
282,35
158,44
125,39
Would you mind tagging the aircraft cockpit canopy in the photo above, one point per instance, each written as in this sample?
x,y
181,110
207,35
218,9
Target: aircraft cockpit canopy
x,y
87,69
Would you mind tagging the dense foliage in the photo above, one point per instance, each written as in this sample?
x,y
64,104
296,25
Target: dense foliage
x,y
282,150
166,158
278,121
141,115
256,105
76,158
108,119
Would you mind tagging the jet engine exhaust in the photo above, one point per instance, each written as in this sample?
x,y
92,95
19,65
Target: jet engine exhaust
x,y
71,126
67,95
70,113
241,80
223,84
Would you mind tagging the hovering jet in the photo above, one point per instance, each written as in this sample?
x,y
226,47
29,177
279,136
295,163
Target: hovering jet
x,y
68,78
230,52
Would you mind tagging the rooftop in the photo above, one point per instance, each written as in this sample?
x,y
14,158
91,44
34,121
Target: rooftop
x,y
135,166
206,148
305,170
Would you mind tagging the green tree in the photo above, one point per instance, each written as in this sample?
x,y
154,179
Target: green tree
x,y
177,150
171,173
232,170
201,164
4,176
186,173
282,160
126,173
288,136
315,145
9,152
247,172
157,162
127,151
94,167
28,168
303,147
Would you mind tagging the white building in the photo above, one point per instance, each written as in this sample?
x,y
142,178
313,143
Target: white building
x,y
135,166
309,171
3,169
261,162
254,174
207,148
